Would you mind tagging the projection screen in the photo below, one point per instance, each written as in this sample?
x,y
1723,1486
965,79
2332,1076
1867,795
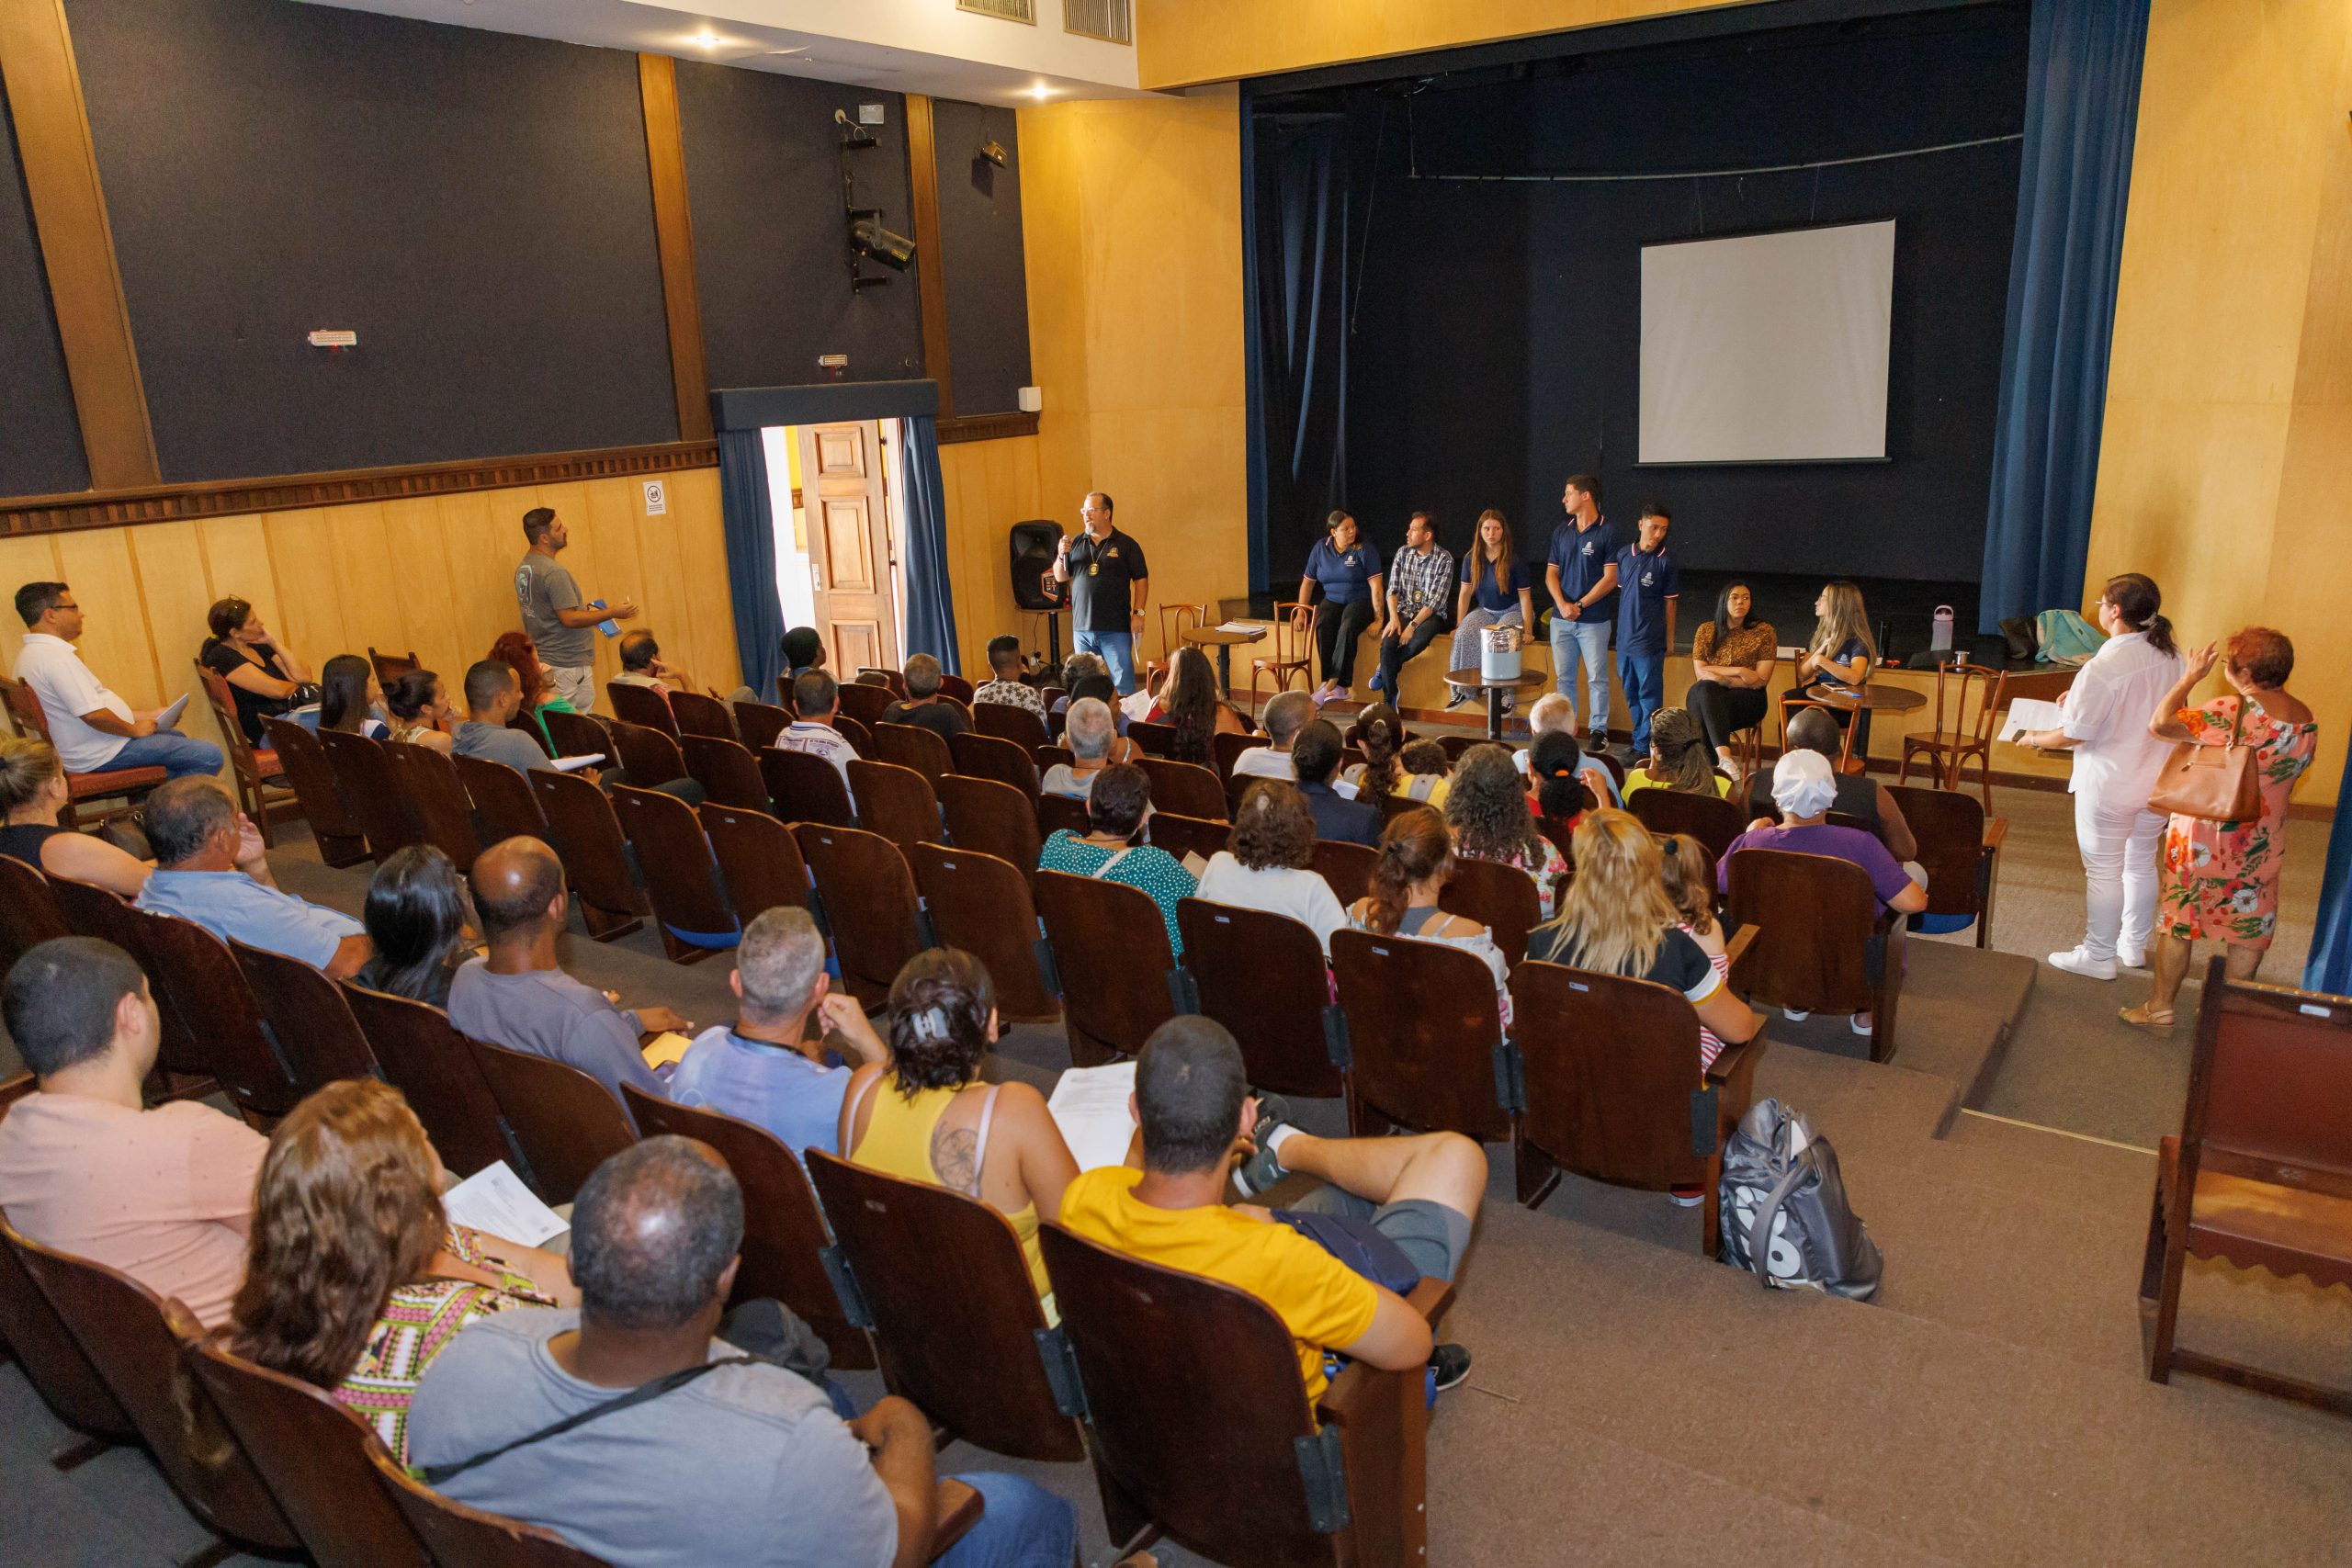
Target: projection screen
x,y
1767,348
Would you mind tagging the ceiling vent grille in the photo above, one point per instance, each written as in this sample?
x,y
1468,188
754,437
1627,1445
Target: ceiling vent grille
x,y
1113,21
1005,10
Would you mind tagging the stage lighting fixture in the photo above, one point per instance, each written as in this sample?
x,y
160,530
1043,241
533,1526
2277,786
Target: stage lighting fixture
x,y
870,238
993,153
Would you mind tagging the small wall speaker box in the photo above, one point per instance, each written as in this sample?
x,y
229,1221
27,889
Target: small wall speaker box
x,y
1032,400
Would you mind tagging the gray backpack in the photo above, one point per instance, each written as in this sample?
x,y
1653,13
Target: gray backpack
x,y
1784,1214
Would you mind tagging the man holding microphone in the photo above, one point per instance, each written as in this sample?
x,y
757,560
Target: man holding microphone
x,y
1109,586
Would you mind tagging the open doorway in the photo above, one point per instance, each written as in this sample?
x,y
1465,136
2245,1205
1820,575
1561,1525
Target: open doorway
x,y
835,492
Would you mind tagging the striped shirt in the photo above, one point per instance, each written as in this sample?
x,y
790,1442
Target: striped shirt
x,y
1418,582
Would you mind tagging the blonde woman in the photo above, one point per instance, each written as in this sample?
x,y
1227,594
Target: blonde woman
x,y
1499,586
1843,652
33,793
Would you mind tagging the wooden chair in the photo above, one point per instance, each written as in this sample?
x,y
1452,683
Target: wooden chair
x,y
503,806
911,746
134,1338
758,724
994,818
1003,721
982,756
1118,970
364,774
1425,1044
28,912
897,802
1946,750
651,756
1175,620
1712,819
874,675
1960,849
425,1057
524,724
2261,1174
1825,946
1059,812
1227,748
437,800
311,1024
1237,1466
1262,977
390,667
758,860
342,836
125,786
785,1237
1186,789
941,1279
260,781
981,903
575,735
865,702
1457,746
94,911
726,772
689,895
567,1122
1347,867
699,715
641,705
586,837
1156,739
459,1536
1292,645
1500,897
806,788
54,1363
859,736
202,975
869,898
1605,1063
1053,753
955,688
1180,835
315,1455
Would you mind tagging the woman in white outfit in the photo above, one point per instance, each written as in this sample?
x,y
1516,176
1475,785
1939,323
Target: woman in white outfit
x,y
2116,764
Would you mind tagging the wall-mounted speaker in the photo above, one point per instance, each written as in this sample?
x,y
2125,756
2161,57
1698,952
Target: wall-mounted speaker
x,y
1034,544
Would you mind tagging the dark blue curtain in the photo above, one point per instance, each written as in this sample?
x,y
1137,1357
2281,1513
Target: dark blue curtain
x,y
751,558
2082,110
930,598
2329,968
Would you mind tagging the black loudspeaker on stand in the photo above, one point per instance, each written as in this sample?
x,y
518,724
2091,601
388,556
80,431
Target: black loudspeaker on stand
x,y
1034,544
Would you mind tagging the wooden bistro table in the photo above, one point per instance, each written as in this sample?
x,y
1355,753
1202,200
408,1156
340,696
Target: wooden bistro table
x,y
1876,697
1225,642
1526,684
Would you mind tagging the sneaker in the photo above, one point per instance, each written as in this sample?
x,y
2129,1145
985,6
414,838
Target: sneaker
x,y
1797,1015
2075,961
1262,1169
1685,1196
2131,958
1449,1364
1460,695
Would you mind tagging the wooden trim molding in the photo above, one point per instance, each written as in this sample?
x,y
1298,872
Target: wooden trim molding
x,y
674,237
984,426
291,492
930,260
60,171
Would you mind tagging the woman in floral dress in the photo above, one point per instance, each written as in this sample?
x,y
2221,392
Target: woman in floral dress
x,y
2221,879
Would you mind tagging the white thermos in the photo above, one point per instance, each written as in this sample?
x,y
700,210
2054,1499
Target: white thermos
x,y
1498,654
1941,638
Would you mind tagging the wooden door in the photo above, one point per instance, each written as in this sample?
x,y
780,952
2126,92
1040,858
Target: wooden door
x,y
849,545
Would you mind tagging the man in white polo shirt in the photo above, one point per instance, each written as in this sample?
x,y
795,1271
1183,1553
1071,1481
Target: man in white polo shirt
x,y
94,730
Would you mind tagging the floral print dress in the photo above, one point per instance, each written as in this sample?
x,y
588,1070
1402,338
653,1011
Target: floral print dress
x,y
2221,879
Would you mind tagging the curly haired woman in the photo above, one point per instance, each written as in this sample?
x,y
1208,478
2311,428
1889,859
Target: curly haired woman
x,y
1487,808
1268,863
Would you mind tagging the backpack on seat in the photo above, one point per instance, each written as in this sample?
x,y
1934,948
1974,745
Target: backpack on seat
x,y
1784,1214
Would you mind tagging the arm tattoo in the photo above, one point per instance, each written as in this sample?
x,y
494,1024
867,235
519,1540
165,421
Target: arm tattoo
x,y
950,1158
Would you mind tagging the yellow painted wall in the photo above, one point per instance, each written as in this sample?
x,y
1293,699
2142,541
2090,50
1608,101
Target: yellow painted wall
x,y
432,574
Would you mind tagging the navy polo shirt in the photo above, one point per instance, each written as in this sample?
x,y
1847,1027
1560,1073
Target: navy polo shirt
x,y
1646,582
1346,575
1583,556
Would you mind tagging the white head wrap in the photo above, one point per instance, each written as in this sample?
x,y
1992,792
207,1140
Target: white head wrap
x,y
1802,785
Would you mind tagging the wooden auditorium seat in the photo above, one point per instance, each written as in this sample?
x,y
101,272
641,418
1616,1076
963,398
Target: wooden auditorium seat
x,y
503,806
210,990
699,715
1185,787
1154,738
341,834
651,756
911,746
1003,721
28,912
1119,976
690,906
425,1057
1960,849
869,899
641,705
316,1035
574,735
806,788
364,774
728,773
459,1536
586,837
1057,813
1181,834
865,702
1826,945
982,756
1503,898
897,802
1712,819
567,1122
1425,1044
1228,750
94,911
993,817
981,903
758,860
758,724
1262,977
437,800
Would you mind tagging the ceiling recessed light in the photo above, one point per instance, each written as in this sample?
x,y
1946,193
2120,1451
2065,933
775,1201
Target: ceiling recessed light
x,y
707,38
1041,92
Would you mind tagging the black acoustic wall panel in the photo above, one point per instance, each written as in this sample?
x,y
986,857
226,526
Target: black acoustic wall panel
x,y
475,204
771,259
41,440
979,230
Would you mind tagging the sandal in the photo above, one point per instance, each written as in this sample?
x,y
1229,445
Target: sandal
x,y
2147,1017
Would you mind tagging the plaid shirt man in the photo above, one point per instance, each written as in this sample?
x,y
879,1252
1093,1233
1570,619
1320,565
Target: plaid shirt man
x,y
1417,582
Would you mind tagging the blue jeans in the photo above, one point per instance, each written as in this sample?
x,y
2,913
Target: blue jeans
x,y
1118,651
1025,1526
1586,640
178,755
1642,671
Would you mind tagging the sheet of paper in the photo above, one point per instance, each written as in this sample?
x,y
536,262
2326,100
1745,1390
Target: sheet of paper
x,y
1089,1105
1344,790
666,1048
1242,627
494,1199
2028,714
171,715
573,764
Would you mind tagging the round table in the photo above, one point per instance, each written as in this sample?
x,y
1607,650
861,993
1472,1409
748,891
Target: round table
x,y
1526,683
1225,642
1873,698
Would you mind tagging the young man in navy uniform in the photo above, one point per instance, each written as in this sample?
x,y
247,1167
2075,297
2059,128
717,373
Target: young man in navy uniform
x,y
1648,583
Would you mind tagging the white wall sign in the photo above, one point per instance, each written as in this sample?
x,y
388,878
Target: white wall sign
x,y
657,498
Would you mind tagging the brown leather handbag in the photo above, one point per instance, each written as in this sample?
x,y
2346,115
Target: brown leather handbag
x,y
2219,783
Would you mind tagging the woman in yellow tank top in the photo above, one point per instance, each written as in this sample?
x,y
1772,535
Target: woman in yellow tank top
x,y
927,1117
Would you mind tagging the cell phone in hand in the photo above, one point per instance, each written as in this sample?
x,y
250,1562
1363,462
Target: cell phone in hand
x,y
609,627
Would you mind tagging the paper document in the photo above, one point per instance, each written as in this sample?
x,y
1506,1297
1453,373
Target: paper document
x,y
573,764
2028,714
494,1200
171,715
1089,1105
666,1048
1242,627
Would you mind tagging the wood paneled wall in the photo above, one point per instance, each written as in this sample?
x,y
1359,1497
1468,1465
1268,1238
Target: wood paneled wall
x,y
433,574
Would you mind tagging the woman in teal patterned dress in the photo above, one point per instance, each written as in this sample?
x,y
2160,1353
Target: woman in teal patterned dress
x,y
2221,879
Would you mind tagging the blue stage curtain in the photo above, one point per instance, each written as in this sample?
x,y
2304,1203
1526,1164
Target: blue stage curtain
x,y
751,558
2082,110
2329,968
931,597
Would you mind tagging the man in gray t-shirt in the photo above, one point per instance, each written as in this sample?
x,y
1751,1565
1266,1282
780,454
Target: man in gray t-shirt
x,y
555,616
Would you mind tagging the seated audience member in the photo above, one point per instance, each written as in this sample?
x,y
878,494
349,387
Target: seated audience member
x,y
1804,788
33,793
1616,918
1268,863
816,700
1090,737
1315,754
420,920
209,868
1191,1100
1077,667
1382,735
521,998
1562,789
540,696
1286,713
355,1279
1680,759
745,1465
920,1110
422,712
94,730
164,1195
1858,795
349,696
265,680
1099,687
803,650
1688,875
763,1067
642,665
1555,715
1425,772
1731,663
1416,863
1189,703
493,694
1487,809
1004,684
1115,809
923,706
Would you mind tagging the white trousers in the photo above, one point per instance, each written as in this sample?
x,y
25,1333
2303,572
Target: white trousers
x,y
2118,839
574,685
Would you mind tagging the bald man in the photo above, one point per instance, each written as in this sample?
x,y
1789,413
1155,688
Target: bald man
x,y
520,998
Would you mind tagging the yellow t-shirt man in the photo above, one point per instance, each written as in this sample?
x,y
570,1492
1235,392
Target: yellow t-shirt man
x,y
1322,1301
